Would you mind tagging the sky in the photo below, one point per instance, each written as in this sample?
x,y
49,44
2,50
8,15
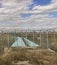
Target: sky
x,y
34,14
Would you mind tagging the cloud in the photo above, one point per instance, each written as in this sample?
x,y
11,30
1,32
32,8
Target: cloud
x,y
52,7
12,9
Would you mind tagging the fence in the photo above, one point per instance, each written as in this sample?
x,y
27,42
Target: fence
x,y
44,38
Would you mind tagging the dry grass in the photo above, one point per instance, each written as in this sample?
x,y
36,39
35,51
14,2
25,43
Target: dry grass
x,y
4,40
35,57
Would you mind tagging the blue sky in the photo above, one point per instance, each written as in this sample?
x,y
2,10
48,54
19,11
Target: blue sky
x,y
53,14
41,3
44,3
26,13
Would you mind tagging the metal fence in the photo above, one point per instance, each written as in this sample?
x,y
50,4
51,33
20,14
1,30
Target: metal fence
x,y
44,38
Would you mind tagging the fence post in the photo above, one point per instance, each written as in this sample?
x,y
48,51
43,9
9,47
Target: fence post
x,y
21,36
8,39
47,40
40,38
15,35
26,34
54,38
33,36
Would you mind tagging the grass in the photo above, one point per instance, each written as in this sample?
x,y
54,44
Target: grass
x,y
4,40
35,57
44,57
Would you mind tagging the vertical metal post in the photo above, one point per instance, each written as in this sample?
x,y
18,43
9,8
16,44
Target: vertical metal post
x,y
15,35
26,34
47,40
21,36
54,38
8,39
51,37
16,38
40,38
33,36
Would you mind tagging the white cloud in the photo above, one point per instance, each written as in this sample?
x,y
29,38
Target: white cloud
x,y
12,9
44,9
